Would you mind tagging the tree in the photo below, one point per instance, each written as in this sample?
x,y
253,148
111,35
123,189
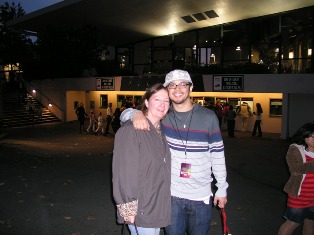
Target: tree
x,y
15,47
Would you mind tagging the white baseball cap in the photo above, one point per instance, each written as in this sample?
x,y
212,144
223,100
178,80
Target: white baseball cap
x,y
177,74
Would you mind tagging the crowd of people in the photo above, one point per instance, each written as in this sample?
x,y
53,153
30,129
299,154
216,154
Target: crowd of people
x,y
99,123
227,116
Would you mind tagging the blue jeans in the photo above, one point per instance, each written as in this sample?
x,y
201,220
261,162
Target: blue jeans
x,y
143,231
193,217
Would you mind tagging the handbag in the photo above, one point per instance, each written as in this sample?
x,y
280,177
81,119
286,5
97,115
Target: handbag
x,y
124,225
226,230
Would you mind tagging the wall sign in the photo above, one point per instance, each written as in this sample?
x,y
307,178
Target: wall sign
x,y
105,84
228,83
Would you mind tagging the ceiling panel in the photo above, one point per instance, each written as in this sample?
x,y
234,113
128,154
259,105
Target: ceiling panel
x,y
124,21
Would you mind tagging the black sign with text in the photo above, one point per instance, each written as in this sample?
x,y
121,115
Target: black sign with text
x,y
228,83
105,84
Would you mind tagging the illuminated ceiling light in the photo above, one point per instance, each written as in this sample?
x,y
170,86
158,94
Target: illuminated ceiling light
x,y
199,16
50,104
211,14
188,19
291,55
309,52
34,91
238,49
277,50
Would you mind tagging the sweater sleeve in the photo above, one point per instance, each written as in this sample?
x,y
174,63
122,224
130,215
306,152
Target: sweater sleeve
x,y
125,168
218,161
127,114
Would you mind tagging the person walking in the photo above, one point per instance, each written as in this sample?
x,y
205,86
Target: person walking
x,y
101,124
245,112
92,121
115,123
197,153
300,190
257,125
219,111
30,107
141,169
108,118
81,115
231,115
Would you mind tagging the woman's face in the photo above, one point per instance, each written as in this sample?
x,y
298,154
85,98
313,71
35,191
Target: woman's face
x,y
310,142
157,105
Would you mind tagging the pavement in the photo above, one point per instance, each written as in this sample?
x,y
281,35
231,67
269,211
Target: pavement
x,y
54,180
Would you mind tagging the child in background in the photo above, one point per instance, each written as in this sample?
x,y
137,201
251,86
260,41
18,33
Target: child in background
x,y
92,121
101,124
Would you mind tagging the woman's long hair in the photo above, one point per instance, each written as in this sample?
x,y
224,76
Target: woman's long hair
x,y
303,132
259,108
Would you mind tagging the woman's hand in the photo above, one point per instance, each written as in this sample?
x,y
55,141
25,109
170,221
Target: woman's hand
x,y
129,219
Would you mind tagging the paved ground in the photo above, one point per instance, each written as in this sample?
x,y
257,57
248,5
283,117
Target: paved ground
x,y
56,181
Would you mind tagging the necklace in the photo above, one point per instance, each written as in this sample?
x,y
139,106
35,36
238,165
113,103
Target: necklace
x,y
179,131
184,123
158,128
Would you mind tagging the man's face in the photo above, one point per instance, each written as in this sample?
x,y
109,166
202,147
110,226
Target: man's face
x,y
179,91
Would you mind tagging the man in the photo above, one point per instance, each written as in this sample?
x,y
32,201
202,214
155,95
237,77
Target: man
x,y
81,115
197,151
108,118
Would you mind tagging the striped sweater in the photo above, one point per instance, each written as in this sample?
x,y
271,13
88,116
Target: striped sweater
x,y
199,144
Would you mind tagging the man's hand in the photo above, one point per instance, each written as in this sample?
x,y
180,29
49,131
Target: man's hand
x,y
140,122
220,201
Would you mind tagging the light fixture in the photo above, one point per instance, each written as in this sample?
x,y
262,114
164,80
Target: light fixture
x,y
291,55
309,52
238,48
50,104
34,91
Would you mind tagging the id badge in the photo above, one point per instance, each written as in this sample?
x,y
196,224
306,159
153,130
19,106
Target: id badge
x,y
185,171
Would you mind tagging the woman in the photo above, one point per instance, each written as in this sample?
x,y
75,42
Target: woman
x,y
141,169
257,125
300,205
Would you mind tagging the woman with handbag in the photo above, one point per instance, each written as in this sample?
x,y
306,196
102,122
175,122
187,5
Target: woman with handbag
x,y
141,169
300,204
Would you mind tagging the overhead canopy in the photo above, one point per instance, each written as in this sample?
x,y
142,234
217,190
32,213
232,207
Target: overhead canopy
x,y
126,21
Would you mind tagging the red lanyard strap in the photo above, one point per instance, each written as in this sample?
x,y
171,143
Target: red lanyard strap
x,y
224,222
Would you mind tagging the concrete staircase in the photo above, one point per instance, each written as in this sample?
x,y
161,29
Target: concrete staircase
x,y
16,115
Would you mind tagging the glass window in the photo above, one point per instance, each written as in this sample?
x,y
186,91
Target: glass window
x,y
275,107
103,101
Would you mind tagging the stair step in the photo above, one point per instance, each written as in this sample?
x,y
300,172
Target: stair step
x,y
16,115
